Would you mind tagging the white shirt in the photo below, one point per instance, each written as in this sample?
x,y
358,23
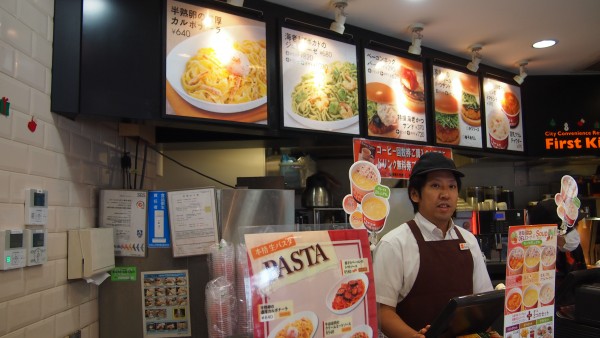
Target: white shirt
x,y
572,241
396,260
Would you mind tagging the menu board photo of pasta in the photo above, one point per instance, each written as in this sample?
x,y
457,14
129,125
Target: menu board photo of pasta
x,y
504,119
320,84
395,97
215,65
457,108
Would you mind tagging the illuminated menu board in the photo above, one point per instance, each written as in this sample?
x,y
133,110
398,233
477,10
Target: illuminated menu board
x,y
395,97
457,108
215,66
504,121
320,84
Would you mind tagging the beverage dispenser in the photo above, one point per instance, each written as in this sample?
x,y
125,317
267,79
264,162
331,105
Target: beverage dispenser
x,y
492,231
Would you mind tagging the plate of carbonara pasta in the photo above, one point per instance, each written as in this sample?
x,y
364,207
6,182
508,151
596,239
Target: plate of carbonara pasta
x,y
300,325
324,98
222,71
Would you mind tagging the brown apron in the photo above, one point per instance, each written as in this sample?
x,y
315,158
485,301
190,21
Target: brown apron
x,y
445,271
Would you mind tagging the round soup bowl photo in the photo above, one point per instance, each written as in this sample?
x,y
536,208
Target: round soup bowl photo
x,y
375,210
516,258
364,176
514,299
532,258
498,128
548,259
547,294
530,297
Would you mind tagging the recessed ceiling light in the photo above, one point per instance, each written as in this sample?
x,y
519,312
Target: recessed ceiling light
x,y
544,44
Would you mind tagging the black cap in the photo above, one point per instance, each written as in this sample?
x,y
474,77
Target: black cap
x,y
434,161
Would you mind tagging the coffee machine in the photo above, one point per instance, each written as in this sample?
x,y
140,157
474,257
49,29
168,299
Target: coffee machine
x,y
492,231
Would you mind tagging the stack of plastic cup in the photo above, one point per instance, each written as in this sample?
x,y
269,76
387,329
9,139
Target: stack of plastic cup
x,y
220,308
243,293
221,261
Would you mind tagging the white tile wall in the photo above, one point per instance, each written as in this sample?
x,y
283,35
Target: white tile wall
x,y
72,159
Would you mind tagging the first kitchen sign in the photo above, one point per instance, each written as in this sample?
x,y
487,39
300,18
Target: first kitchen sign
x,y
566,140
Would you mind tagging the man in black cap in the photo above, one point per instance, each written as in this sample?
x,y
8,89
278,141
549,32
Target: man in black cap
x,y
423,263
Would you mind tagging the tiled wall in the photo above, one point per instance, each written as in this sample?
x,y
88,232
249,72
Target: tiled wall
x,y
70,159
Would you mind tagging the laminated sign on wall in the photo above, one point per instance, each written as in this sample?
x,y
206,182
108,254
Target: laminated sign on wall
x,y
126,212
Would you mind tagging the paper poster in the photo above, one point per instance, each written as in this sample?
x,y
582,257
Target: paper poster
x,y
216,65
395,92
126,212
503,116
335,266
159,231
165,305
530,281
457,108
193,220
320,83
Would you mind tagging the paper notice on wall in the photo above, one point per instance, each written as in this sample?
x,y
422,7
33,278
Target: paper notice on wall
x,y
126,212
193,220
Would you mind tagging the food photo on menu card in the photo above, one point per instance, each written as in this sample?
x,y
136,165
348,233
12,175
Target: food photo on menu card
x,y
504,115
320,83
395,97
457,108
217,70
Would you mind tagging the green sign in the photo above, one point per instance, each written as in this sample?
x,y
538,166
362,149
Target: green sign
x,y
123,274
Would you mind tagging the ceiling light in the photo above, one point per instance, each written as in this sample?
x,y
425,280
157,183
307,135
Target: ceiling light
x,y
415,48
544,44
475,58
340,16
522,73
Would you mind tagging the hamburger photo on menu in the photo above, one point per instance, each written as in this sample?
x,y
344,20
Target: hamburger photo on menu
x,y
411,78
381,110
470,109
446,119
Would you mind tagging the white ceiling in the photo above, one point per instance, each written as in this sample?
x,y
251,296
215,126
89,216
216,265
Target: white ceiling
x,y
506,28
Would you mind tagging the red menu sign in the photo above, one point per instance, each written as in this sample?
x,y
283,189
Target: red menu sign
x,y
394,160
312,284
530,281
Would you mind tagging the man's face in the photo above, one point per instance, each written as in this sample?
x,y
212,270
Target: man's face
x,y
438,197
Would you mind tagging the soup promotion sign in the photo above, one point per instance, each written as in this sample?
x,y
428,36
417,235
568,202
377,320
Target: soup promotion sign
x,y
312,284
530,277
368,203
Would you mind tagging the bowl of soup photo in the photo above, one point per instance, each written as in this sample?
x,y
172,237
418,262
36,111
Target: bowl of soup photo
x,y
515,260
548,258
374,210
364,176
547,294
532,258
530,296
514,299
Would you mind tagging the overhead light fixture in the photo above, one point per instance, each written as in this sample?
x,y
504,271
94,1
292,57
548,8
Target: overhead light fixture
x,y
238,3
544,44
522,72
475,58
416,29
340,16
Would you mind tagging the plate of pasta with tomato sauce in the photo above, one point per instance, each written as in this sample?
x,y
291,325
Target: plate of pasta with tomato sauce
x,y
347,293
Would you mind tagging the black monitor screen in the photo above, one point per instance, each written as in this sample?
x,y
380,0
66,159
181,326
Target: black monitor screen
x,y
468,314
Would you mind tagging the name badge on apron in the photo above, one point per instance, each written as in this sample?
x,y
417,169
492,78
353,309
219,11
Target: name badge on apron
x,y
463,246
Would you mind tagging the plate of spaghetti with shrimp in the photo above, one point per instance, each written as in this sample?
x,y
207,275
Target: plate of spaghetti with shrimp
x,y
221,71
300,325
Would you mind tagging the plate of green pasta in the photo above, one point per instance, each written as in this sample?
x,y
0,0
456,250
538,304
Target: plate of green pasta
x,y
323,98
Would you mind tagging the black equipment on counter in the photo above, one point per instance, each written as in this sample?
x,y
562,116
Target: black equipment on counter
x,y
492,231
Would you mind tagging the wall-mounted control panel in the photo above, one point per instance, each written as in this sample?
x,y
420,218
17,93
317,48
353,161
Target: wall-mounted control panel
x,y
35,244
36,207
12,249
